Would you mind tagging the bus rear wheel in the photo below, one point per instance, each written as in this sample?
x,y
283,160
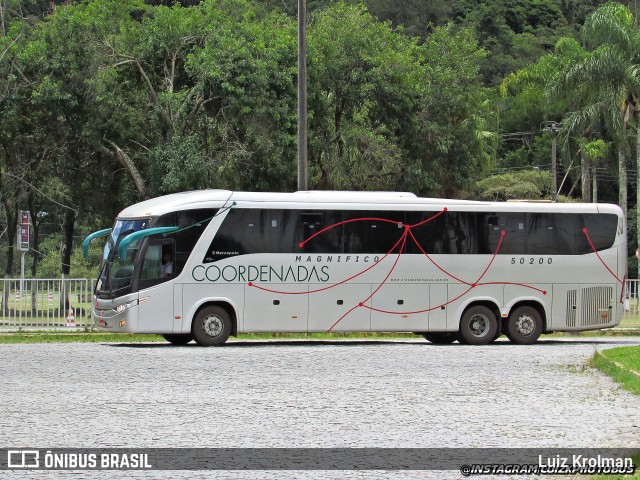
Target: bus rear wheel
x,y
478,326
440,338
211,326
524,326
177,338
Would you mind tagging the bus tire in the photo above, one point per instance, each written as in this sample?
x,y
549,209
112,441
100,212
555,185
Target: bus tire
x,y
440,338
478,325
177,338
524,326
211,326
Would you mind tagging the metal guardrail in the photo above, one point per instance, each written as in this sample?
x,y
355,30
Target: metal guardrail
x,y
55,303
631,317
45,303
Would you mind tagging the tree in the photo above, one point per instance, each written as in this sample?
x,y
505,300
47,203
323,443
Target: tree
x,y
246,69
595,151
390,113
529,185
528,91
455,143
364,82
610,74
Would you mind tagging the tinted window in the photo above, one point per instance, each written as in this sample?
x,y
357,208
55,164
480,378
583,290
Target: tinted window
x,y
450,233
238,235
246,231
321,232
429,233
373,232
552,234
602,231
514,227
192,223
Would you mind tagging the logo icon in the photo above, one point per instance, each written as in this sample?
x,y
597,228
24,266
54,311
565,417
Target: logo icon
x,y
23,459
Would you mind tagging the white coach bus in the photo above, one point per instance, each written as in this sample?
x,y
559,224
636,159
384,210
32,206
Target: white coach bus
x,y
356,261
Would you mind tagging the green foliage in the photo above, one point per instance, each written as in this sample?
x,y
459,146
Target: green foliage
x,y
418,107
51,254
521,185
622,364
453,115
363,88
179,165
85,337
106,102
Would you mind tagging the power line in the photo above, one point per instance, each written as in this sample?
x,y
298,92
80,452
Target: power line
x,y
40,192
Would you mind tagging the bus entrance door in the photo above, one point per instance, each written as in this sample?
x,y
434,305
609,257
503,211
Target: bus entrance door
x,y
155,309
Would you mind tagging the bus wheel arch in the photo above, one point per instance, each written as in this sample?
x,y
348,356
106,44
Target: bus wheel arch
x,y
527,320
479,323
213,323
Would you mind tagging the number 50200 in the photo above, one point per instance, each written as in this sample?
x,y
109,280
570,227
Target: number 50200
x,y
531,261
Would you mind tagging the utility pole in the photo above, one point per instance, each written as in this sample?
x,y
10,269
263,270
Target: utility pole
x,y
302,96
553,127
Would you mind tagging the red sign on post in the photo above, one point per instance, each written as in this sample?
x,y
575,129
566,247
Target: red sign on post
x,y
23,231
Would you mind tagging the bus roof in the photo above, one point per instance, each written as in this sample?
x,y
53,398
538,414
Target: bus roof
x,y
341,199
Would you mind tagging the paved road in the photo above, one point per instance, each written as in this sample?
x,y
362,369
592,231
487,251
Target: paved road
x,y
312,394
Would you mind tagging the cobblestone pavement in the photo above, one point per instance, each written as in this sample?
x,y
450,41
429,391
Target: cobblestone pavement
x,y
391,393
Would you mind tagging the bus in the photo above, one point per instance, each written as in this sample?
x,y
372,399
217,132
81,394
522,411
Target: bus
x,y
210,264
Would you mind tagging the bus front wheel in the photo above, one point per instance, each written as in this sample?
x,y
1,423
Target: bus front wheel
x,y
177,338
478,326
211,326
524,326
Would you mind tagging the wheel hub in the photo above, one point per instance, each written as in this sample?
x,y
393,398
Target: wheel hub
x,y
525,325
212,325
479,325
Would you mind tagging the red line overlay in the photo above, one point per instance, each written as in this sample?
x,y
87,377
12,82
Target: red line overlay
x,y
586,234
401,243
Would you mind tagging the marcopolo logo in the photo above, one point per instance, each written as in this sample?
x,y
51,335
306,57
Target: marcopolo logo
x,y
261,273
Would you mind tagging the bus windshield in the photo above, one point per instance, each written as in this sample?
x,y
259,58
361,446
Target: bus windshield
x,y
116,273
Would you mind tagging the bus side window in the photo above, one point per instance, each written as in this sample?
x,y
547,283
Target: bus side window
x,y
330,240
157,264
514,227
544,234
278,229
602,230
430,234
152,263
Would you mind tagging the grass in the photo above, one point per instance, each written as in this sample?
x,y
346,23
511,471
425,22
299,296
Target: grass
x,y
622,364
76,337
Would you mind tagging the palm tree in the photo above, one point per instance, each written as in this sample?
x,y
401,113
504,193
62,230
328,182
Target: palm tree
x,y
535,80
610,73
